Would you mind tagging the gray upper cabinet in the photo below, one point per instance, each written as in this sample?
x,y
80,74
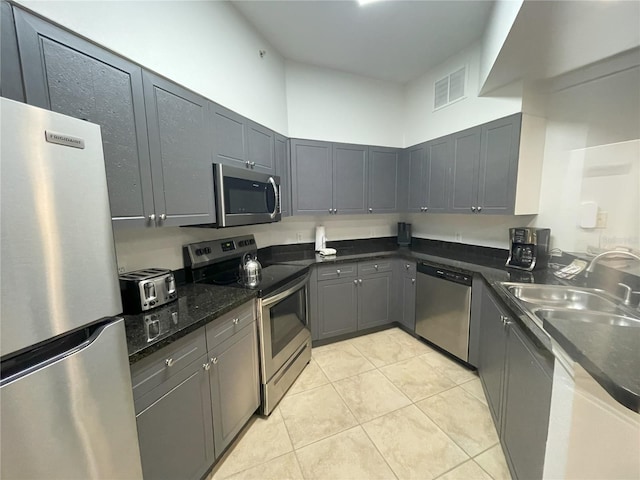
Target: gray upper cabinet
x,y
416,184
260,148
311,177
349,178
180,153
485,167
283,170
527,402
498,171
384,170
69,75
240,142
438,156
235,385
229,136
10,73
464,171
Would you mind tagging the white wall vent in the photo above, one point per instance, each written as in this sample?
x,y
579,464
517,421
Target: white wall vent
x,y
449,89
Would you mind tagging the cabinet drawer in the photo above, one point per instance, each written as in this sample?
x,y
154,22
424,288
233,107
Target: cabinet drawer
x,y
230,323
331,272
408,269
158,367
378,266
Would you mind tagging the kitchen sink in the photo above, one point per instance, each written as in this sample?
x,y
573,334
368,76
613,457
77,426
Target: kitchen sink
x,y
586,316
558,296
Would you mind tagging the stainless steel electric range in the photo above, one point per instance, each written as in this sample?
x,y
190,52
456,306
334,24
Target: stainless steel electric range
x,y
283,309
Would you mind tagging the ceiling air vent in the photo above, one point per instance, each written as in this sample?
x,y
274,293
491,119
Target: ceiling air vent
x,y
449,89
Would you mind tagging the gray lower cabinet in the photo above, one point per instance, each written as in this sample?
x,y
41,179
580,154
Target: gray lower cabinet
x,y
517,377
527,403
283,170
374,296
235,384
175,429
69,75
337,307
351,297
180,153
384,171
492,353
406,294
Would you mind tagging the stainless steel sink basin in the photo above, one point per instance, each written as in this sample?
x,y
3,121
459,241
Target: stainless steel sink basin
x,y
558,296
584,316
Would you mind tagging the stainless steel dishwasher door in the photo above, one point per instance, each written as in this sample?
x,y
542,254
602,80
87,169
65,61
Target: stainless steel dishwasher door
x,y
443,311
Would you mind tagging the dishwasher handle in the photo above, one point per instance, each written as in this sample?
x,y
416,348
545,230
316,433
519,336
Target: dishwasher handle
x,y
444,274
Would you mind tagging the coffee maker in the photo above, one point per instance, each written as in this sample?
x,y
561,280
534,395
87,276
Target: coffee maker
x,y
529,248
404,234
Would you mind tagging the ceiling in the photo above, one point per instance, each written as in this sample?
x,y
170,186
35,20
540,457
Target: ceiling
x,y
394,40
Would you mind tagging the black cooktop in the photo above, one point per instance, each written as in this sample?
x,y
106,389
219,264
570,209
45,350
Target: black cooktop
x,y
273,277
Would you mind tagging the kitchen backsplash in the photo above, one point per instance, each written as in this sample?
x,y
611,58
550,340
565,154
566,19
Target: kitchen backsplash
x,y
162,247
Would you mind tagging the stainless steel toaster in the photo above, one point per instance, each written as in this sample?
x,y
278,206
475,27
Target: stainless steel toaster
x,y
143,290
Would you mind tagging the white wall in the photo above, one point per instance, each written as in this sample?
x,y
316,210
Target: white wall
x,y
592,153
502,17
162,247
206,46
423,123
326,104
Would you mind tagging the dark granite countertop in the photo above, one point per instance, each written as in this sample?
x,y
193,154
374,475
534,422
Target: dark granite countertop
x,y
196,306
608,353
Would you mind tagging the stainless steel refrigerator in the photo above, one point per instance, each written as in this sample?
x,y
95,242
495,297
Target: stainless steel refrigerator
x,y
66,404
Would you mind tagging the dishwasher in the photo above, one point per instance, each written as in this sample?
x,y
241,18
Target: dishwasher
x,y
443,308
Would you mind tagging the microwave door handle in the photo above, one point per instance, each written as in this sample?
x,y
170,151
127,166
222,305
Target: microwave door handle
x,y
276,195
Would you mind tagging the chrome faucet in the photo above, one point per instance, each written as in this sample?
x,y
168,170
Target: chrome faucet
x,y
610,253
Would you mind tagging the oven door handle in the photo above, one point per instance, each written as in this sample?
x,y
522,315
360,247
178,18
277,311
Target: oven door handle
x,y
273,183
270,300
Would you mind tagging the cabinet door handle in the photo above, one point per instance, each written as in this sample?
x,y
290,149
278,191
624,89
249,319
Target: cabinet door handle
x,y
375,266
163,216
169,362
331,210
413,280
355,282
338,271
206,366
371,210
335,210
152,217
479,209
236,321
426,209
359,281
407,266
214,360
473,209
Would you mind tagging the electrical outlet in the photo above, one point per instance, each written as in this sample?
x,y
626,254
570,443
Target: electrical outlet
x,y
122,269
601,220
458,237
299,237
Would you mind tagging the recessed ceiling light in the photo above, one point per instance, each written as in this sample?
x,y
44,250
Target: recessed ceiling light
x,y
362,3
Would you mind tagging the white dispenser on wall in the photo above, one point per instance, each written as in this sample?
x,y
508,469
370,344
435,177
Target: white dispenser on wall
x,y
321,242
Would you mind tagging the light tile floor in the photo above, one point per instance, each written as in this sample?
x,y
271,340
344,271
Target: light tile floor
x,y
383,406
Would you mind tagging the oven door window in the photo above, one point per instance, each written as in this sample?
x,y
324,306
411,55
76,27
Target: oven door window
x,y
287,319
247,197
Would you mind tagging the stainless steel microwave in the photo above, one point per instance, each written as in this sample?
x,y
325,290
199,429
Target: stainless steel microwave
x,y
245,197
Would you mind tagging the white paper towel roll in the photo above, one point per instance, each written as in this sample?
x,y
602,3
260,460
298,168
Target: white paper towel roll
x,y
321,239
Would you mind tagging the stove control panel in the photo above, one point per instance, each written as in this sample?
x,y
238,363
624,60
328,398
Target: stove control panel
x,y
201,254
